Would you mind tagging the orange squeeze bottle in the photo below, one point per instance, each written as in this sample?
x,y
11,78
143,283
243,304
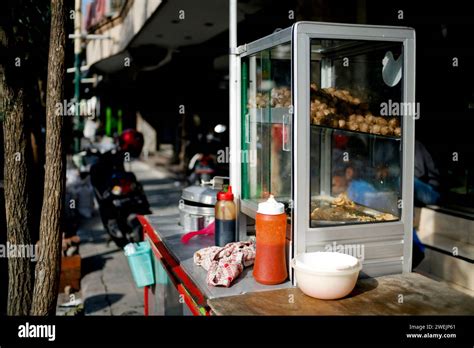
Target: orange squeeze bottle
x,y
270,259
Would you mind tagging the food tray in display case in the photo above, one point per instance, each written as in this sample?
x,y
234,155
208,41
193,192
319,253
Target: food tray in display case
x,y
326,120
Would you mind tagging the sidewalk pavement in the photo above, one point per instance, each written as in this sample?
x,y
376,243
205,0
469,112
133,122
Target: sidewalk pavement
x,y
107,287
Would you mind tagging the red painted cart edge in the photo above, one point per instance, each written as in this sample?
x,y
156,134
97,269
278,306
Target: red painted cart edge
x,y
185,286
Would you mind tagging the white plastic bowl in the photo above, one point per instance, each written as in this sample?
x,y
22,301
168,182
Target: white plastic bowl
x,y
326,275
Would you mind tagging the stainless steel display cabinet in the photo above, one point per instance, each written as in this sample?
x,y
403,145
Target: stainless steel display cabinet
x,y
326,121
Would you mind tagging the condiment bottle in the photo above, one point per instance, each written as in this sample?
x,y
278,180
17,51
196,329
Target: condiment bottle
x,y
225,218
270,259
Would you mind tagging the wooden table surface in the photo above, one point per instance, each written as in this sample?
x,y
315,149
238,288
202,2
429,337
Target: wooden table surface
x,y
402,294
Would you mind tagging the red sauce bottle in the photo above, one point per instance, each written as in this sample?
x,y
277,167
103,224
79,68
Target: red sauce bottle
x,y
270,259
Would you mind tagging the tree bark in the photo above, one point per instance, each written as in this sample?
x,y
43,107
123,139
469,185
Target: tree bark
x,y
48,265
20,269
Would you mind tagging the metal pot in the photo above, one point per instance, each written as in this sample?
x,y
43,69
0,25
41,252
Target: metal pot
x,y
203,195
194,218
196,208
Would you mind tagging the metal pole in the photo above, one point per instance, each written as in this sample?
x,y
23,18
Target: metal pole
x,y
234,117
77,73
233,122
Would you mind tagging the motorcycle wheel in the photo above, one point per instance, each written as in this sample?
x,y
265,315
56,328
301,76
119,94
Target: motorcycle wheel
x,y
128,231
115,232
136,233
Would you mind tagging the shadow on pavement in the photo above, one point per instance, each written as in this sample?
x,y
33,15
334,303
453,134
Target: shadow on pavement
x,y
100,238
98,302
95,262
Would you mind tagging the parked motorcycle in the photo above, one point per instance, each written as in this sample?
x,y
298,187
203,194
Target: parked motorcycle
x,y
119,194
201,168
204,164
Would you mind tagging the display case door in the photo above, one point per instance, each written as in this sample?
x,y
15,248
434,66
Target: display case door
x,y
388,243
266,119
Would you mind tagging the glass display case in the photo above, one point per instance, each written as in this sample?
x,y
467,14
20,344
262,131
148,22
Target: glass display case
x,y
327,126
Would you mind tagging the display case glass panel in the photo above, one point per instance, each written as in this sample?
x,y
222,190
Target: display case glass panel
x,y
266,124
355,138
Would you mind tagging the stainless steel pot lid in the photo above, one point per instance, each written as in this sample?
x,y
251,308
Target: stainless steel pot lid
x,y
200,194
195,210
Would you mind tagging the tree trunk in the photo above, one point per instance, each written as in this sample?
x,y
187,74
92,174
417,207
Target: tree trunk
x,y
20,269
48,265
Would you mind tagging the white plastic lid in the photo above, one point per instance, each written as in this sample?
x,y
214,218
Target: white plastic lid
x,y
271,207
327,261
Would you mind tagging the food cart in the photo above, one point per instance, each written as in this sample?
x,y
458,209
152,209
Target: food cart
x,y
313,123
